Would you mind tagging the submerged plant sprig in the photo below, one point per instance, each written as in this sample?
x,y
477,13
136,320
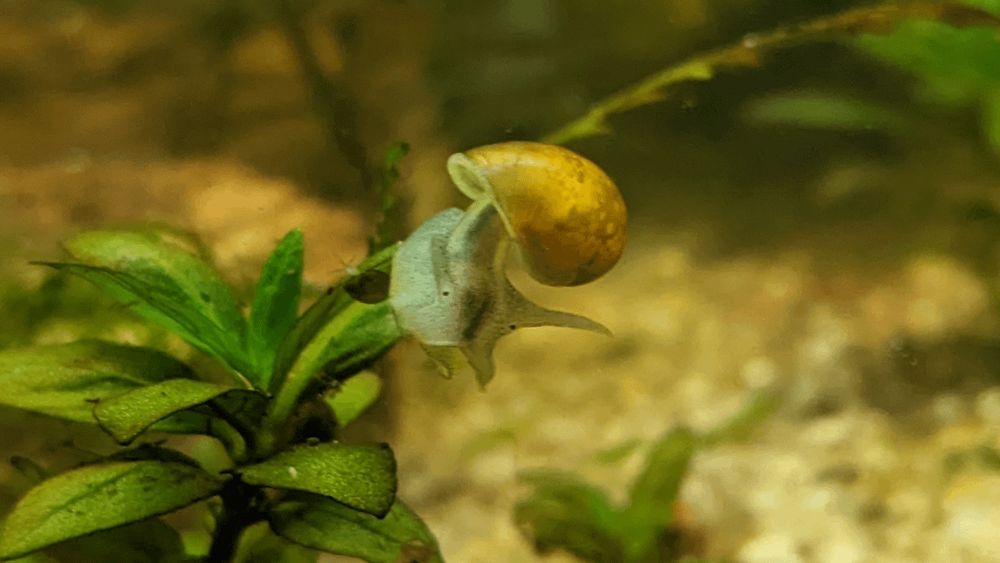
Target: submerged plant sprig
x,y
882,18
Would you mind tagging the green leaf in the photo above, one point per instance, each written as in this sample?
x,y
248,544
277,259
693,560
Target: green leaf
x,y
355,338
98,497
259,544
64,380
165,281
275,305
651,501
127,415
361,477
957,66
148,541
321,313
822,110
748,419
328,526
352,397
566,513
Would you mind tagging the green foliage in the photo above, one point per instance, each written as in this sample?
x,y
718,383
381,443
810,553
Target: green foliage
x,y
878,18
160,277
565,512
651,501
361,477
275,305
958,67
101,496
323,524
261,545
354,338
275,356
127,415
64,380
351,398
321,313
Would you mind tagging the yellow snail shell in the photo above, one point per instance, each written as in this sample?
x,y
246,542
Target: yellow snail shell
x,y
565,214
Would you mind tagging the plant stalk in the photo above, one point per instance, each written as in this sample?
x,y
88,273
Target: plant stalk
x,y
238,512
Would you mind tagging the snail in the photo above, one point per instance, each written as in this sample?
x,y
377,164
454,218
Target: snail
x,y
558,211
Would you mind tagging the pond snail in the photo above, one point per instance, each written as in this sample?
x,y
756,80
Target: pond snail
x,y
561,213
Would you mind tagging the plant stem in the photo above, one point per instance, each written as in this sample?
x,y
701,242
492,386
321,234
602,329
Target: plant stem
x,y
238,512
747,53
335,106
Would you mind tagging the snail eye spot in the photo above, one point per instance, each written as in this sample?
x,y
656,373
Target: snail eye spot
x,y
513,327
446,293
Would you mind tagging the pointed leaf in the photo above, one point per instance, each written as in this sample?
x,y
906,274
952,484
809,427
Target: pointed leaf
x,y
566,513
275,305
320,313
362,477
353,340
357,336
165,281
127,415
64,380
353,397
328,526
655,490
98,497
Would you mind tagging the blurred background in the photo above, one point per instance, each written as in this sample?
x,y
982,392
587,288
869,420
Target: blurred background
x,y
824,226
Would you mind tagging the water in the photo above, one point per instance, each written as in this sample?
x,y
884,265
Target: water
x,y
813,223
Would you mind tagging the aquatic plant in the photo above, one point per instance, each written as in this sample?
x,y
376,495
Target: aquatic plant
x,y
564,512
286,468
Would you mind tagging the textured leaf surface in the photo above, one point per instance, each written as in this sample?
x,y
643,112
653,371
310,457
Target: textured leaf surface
x,y
64,380
353,397
98,497
275,305
357,336
321,313
165,281
362,477
328,526
127,415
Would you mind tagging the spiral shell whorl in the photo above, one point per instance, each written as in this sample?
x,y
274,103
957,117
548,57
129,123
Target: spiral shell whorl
x,y
566,215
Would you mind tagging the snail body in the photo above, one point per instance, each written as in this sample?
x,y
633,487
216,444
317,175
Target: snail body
x,y
449,288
